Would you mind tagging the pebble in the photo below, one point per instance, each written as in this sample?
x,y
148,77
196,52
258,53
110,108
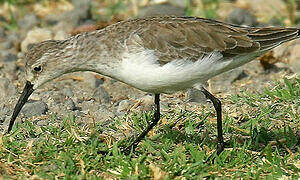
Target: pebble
x,y
28,22
2,32
35,36
4,112
147,103
13,37
294,60
103,114
222,82
195,95
178,3
89,106
6,45
9,57
70,104
161,10
101,95
124,105
75,17
7,89
60,35
67,92
242,17
34,108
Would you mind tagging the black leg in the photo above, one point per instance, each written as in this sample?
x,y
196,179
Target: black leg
x,y
150,126
218,107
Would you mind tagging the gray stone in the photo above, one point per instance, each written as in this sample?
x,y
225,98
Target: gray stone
x,y
2,32
6,45
124,105
7,89
70,104
4,112
242,17
103,114
98,82
101,95
222,83
67,92
195,95
9,57
28,21
89,106
80,14
2,19
34,108
161,10
13,37
179,3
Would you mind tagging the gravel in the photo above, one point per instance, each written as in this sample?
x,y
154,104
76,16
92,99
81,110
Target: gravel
x,y
70,104
242,17
124,105
9,57
7,89
28,22
101,95
34,108
2,32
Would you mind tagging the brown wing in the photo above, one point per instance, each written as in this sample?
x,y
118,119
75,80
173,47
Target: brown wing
x,y
193,38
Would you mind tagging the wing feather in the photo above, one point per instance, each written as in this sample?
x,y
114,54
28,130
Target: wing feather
x,y
193,38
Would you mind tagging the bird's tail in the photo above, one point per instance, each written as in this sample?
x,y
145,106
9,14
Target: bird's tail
x,y
271,37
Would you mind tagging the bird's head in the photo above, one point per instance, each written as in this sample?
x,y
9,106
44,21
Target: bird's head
x,y
44,62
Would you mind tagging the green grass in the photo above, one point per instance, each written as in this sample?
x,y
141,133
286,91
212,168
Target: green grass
x,y
261,132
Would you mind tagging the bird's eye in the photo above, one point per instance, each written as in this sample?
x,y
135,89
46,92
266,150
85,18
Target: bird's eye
x,y
37,68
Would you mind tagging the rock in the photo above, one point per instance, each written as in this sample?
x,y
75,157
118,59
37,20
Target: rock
x,y
147,103
9,57
60,35
265,10
77,16
101,95
34,108
103,114
2,19
7,89
161,9
98,82
222,83
242,17
2,32
28,22
89,106
295,58
67,92
13,38
90,79
81,12
4,112
6,45
178,3
195,95
69,103
124,105
35,36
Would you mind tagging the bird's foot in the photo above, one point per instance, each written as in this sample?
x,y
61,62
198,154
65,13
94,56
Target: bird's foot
x,y
219,150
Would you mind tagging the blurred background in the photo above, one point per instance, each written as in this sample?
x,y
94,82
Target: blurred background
x,y
24,22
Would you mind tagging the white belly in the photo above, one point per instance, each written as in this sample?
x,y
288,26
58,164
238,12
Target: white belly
x,y
142,71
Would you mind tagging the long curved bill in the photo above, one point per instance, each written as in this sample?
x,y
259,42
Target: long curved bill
x,y
27,91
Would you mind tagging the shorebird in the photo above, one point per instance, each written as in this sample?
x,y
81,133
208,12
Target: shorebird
x,y
156,55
